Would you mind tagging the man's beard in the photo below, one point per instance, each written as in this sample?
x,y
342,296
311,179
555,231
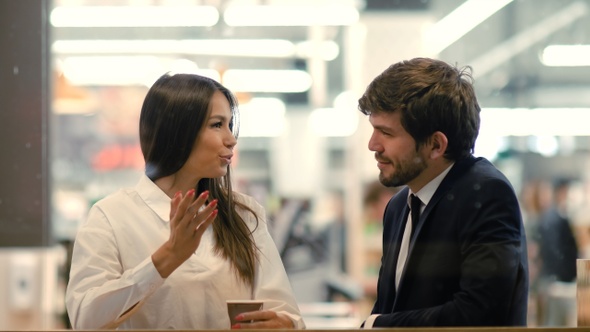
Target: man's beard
x,y
404,172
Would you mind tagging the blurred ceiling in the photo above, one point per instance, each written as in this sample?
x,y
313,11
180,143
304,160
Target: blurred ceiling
x,y
505,49
506,52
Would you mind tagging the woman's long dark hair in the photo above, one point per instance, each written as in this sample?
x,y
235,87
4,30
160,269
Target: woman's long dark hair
x,y
172,116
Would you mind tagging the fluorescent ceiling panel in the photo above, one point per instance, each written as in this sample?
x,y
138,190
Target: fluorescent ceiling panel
x,y
265,48
566,55
499,122
134,16
126,70
459,22
340,121
266,80
291,15
530,36
144,70
262,117
333,122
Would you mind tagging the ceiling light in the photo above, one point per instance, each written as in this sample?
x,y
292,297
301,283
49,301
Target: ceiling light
x,y
279,48
333,122
340,121
134,16
566,55
266,80
326,50
459,22
546,145
499,122
265,48
224,47
525,39
126,70
144,70
262,117
291,15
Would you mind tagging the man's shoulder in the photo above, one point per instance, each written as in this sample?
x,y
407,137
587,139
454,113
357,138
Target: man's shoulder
x,y
483,170
479,179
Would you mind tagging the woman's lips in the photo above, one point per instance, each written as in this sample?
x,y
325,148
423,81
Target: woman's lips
x,y
227,159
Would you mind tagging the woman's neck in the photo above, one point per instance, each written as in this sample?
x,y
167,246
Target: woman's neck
x,y
174,183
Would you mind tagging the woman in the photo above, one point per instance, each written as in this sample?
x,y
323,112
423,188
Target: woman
x,y
146,257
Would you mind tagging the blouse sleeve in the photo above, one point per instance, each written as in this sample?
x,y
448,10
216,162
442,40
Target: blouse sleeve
x,y
99,293
272,284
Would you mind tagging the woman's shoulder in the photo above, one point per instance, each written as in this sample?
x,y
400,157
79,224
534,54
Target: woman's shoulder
x,y
252,204
247,200
117,199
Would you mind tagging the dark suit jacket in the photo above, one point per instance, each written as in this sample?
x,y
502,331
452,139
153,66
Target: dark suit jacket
x,y
467,260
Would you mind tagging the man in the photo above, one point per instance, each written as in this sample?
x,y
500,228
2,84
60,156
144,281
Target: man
x,y
463,261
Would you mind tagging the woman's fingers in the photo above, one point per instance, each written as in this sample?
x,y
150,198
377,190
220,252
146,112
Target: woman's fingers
x,y
174,204
185,202
202,227
189,206
204,215
188,212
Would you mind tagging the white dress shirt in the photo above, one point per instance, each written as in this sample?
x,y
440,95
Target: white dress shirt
x,y
112,269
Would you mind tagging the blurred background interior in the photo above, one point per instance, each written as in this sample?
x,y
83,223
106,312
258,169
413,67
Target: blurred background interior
x,y
73,74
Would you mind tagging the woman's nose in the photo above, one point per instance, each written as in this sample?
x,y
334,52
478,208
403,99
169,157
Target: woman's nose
x,y
231,141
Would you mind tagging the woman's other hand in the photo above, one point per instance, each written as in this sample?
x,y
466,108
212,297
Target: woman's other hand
x,y
263,319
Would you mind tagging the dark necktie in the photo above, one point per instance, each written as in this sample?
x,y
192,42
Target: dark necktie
x,y
415,204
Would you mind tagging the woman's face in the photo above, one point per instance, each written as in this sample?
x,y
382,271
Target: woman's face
x,y
213,148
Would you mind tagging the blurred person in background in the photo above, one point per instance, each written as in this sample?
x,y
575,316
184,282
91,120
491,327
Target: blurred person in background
x,y
375,200
463,261
558,251
535,200
147,258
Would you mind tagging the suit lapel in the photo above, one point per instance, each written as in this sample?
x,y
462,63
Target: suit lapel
x,y
456,172
395,217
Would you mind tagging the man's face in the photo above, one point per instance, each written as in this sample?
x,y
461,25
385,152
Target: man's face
x,y
395,150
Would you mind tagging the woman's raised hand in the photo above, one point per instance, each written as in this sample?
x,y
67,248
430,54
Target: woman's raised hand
x,y
188,222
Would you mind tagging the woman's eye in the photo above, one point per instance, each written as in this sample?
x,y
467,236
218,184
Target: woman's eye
x,y
216,125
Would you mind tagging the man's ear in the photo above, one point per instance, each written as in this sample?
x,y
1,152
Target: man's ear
x,y
438,145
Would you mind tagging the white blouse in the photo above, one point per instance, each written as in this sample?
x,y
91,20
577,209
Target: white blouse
x,y
112,270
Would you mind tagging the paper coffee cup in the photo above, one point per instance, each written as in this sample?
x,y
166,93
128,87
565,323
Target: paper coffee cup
x,y
236,307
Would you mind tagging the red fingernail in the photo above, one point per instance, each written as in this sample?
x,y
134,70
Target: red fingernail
x,y
240,316
204,193
214,213
177,193
213,202
190,192
235,326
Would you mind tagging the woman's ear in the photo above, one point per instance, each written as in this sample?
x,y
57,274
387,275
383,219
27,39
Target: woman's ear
x,y
438,145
